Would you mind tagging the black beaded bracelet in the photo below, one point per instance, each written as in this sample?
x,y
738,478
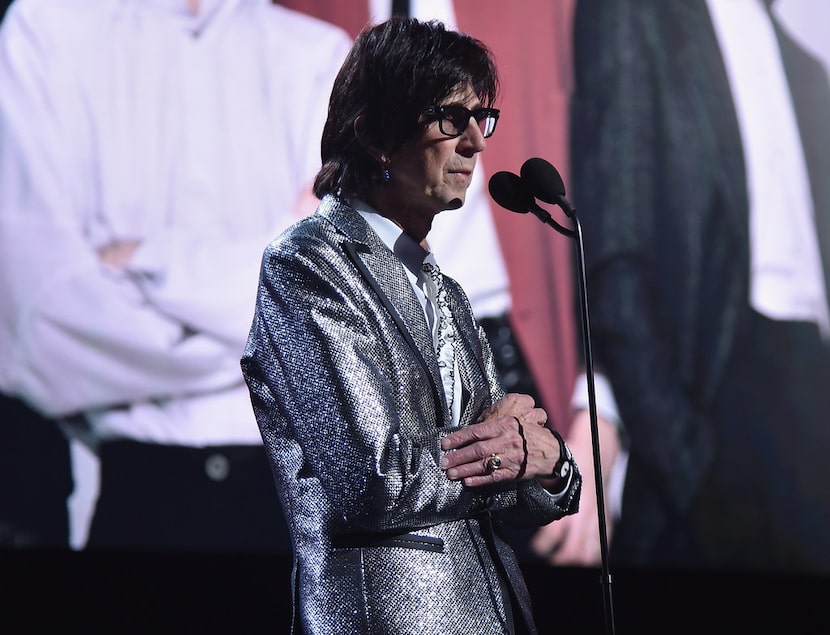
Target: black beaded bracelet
x,y
523,467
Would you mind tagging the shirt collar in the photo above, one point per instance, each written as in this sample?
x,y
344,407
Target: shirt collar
x,y
195,23
410,253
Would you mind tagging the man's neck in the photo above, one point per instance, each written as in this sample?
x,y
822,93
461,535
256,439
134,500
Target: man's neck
x,y
415,223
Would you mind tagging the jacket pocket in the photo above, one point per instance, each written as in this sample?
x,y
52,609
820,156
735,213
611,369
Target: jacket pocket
x,y
403,541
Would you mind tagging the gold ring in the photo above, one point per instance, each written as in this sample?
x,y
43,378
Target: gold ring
x,y
493,462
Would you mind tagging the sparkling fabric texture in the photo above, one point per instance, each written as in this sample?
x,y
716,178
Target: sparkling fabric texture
x,y
345,384
444,331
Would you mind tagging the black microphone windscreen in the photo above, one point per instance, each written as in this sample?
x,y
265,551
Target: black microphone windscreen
x,y
542,180
508,191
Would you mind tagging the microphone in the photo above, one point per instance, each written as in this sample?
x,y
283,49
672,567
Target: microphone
x,y
508,191
544,182
539,179
512,192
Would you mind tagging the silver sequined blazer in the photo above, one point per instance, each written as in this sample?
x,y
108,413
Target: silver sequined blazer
x,y
346,390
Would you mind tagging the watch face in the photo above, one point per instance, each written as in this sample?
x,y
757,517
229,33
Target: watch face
x,y
565,469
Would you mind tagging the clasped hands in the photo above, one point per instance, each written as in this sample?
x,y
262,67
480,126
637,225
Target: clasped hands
x,y
513,430
118,253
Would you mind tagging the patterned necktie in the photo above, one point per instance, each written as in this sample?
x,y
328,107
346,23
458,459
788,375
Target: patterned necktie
x,y
444,329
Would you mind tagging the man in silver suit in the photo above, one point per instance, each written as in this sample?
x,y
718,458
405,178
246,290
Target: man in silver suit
x,y
396,453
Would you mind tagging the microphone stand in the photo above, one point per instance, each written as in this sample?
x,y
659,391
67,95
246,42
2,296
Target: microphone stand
x,y
576,234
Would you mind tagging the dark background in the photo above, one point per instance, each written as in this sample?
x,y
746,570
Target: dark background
x,y
85,592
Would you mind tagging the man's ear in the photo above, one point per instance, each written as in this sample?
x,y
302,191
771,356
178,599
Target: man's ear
x,y
363,137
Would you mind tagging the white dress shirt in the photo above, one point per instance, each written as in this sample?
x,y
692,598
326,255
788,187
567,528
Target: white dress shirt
x,y
787,281
128,120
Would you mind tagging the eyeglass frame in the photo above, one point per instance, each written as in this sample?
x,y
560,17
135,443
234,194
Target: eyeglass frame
x,y
479,114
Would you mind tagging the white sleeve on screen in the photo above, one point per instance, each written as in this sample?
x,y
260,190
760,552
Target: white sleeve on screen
x,y
607,409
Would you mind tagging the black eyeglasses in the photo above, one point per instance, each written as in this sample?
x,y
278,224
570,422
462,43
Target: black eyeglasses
x,y
453,120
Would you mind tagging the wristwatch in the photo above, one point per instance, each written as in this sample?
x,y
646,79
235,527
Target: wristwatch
x,y
563,466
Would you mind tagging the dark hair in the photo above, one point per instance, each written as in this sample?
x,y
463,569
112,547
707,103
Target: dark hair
x,y
393,72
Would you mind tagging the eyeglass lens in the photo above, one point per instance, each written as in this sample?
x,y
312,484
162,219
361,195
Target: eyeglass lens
x,y
453,120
